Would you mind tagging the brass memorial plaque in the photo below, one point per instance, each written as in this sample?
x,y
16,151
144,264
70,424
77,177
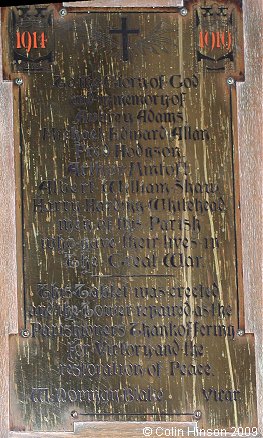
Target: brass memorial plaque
x,y
130,271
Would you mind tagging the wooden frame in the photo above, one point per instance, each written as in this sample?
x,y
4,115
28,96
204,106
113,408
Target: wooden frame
x,y
126,3
250,150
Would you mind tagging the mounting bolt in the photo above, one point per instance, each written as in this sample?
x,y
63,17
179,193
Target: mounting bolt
x,y
63,12
240,332
230,81
183,12
19,81
74,414
25,333
197,415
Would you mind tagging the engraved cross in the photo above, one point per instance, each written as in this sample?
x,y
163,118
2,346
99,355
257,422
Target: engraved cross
x,y
125,32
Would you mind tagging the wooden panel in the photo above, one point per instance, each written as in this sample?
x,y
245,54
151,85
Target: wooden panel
x,y
110,430
125,3
250,135
250,139
8,275
199,162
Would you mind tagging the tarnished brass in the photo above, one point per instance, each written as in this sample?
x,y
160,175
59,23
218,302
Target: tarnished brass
x,y
128,217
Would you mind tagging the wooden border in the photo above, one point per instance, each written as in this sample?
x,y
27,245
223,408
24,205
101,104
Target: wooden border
x,y
125,3
250,134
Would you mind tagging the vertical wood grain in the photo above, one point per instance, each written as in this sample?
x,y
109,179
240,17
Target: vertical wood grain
x,y
8,276
250,133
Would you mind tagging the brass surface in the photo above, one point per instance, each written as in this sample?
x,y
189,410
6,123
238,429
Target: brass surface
x,y
127,176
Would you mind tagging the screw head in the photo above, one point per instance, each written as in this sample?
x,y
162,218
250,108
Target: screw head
x,y
183,12
106,151
240,332
74,414
230,81
25,333
63,12
19,81
197,414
